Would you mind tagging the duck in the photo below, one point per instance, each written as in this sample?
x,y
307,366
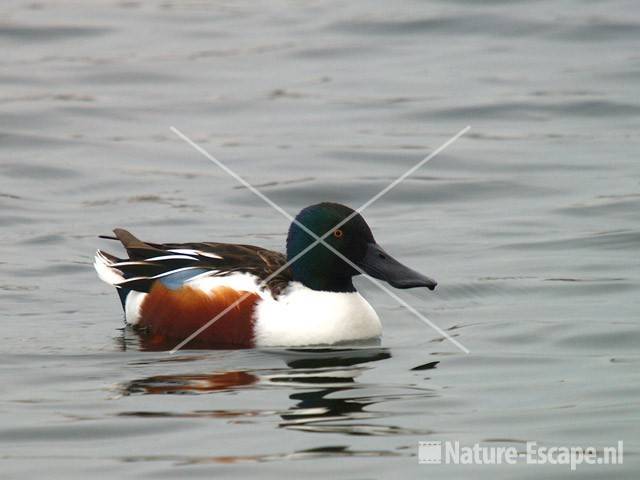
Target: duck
x,y
305,297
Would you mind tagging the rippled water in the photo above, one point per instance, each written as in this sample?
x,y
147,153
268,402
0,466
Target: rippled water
x,y
530,223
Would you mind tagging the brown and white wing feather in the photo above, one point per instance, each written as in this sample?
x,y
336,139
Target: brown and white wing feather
x,y
149,262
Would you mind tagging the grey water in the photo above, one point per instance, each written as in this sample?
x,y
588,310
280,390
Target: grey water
x,y
529,222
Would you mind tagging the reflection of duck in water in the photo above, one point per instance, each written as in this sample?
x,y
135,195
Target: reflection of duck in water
x,y
306,367
196,383
328,399
171,290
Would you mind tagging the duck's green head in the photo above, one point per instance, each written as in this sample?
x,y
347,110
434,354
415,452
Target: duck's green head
x,y
321,269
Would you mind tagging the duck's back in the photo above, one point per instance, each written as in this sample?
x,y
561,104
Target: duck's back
x,y
171,290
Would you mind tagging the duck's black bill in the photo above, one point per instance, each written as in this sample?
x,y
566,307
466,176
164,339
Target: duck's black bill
x,y
379,264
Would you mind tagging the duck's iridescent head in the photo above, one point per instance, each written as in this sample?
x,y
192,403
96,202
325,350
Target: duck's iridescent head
x,y
321,269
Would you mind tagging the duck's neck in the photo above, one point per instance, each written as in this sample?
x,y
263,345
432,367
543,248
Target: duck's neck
x,y
318,269
338,285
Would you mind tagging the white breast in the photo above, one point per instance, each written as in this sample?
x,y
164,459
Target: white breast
x,y
302,316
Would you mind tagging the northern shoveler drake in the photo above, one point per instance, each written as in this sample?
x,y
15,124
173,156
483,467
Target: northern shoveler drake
x,y
170,290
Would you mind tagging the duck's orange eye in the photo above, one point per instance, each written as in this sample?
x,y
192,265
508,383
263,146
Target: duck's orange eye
x,y
337,233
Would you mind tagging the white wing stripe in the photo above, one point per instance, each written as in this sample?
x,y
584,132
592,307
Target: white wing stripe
x,y
156,276
127,264
169,257
187,251
210,255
